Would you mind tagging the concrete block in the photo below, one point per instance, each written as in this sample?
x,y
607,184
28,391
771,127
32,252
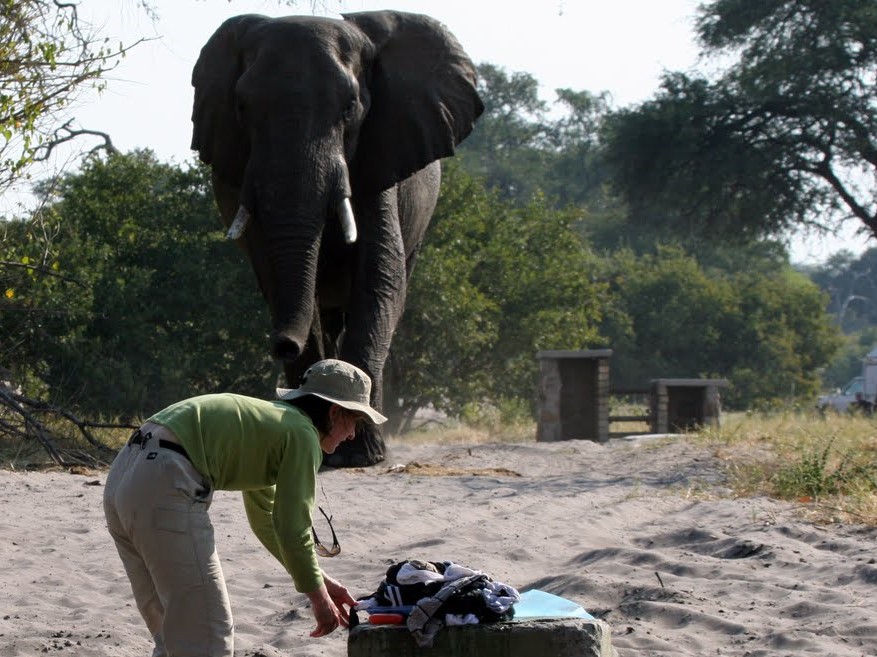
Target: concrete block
x,y
566,637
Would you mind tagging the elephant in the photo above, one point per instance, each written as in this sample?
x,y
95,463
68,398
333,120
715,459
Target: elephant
x,y
324,138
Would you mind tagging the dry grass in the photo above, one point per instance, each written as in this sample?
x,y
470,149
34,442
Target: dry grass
x,y
828,464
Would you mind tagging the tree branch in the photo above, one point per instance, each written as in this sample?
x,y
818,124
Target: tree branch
x,y
43,270
27,408
823,170
65,133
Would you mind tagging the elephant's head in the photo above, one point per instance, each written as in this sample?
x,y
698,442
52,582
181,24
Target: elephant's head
x,y
299,116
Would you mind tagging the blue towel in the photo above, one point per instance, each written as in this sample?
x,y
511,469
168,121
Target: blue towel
x,y
539,604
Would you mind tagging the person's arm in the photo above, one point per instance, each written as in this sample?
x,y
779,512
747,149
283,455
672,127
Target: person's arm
x,y
327,601
259,505
271,524
281,518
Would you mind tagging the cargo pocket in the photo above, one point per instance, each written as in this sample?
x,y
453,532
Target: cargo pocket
x,y
177,544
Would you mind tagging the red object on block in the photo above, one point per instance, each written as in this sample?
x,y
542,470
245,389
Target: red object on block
x,y
386,619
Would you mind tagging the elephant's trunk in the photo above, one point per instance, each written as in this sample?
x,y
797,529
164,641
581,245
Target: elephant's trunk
x,y
288,345
294,262
291,217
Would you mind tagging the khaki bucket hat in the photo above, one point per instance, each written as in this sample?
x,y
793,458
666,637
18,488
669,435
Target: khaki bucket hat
x,y
339,382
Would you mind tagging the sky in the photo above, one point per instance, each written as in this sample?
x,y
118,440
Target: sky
x,y
618,46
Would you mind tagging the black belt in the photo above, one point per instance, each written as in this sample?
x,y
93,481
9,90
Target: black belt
x,y
141,439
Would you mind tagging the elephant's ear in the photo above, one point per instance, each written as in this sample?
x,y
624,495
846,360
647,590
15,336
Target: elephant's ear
x,y
215,132
423,96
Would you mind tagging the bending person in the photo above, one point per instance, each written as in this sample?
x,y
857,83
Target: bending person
x,y
159,488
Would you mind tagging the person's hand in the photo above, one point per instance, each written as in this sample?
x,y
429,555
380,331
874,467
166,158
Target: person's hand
x,y
325,612
340,597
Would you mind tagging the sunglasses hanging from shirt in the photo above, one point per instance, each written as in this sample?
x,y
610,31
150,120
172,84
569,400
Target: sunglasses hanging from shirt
x,y
321,549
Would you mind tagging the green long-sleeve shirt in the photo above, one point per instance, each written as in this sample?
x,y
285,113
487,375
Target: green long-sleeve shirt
x,y
271,452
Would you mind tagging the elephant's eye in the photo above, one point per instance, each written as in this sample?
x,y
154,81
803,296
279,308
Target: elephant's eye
x,y
351,111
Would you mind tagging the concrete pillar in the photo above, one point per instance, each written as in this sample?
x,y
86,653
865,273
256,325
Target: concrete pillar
x,y
685,404
573,395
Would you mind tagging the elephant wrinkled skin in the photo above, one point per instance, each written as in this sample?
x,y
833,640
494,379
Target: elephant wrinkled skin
x,y
324,138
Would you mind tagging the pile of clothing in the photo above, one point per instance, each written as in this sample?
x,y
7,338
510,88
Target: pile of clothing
x,y
438,593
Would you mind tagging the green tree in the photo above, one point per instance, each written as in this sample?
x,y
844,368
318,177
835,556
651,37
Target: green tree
x,y
494,284
766,329
666,319
782,139
162,308
784,339
522,147
507,148
575,174
35,296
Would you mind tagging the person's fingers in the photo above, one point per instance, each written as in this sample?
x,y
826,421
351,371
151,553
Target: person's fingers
x,y
329,618
323,629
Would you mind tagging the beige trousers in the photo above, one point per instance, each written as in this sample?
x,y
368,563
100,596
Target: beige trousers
x,y
156,509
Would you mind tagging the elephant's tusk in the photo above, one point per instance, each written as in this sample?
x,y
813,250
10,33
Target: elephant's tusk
x,y
348,223
241,219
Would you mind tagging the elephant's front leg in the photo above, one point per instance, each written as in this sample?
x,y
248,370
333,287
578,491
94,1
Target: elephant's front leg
x,y
376,304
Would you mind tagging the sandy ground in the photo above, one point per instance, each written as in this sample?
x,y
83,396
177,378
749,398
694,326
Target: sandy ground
x,y
638,532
